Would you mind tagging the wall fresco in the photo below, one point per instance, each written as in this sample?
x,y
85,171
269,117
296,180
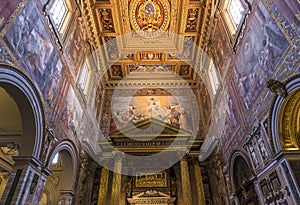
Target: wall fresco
x,y
226,116
4,55
221,50
71,114
74,50
52,82
7,8
29,42
259,54
290,11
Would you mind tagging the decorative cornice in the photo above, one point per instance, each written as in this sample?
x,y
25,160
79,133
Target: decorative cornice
x,y
208,13
90,17
151,83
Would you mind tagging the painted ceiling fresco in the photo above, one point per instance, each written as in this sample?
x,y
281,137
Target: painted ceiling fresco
x,y
151,33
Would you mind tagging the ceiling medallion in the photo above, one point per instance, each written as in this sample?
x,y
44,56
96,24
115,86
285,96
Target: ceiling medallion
x,y
150,18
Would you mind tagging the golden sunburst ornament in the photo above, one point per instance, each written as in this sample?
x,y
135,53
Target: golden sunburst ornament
x,y
150,18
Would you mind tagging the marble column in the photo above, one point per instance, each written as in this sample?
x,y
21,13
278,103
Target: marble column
x,y
199,183
185,182
103,187
24,182
117,177
40,188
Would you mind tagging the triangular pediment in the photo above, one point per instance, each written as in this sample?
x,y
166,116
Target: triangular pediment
x,y
151,197
151,193
151,127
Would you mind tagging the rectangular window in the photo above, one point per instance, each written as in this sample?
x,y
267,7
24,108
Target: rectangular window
x,y
84,77
58,12
236,12
213,77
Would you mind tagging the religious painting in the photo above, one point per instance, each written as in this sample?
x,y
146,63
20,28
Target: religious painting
x,y
28,40
51,84
71,114
74,49
7,8
227,116
169,109
259,54
221,50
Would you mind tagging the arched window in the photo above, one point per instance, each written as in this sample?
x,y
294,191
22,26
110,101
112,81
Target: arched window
x,y
55,160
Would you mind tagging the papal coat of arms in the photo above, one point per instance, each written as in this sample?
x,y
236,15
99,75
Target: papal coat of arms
x,y
150,18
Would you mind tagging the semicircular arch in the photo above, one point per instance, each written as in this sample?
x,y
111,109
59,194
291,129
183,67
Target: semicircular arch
x,y
30,106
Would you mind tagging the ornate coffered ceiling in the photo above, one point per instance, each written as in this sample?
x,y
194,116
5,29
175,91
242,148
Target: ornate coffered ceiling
x,y
142,37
